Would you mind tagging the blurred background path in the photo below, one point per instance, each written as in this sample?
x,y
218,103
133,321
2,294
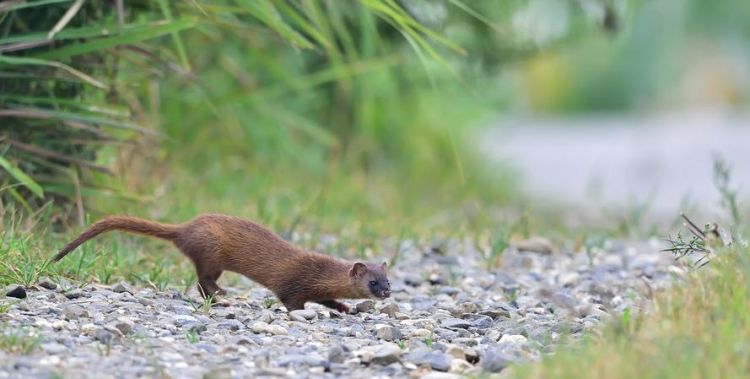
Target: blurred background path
x,y
664,160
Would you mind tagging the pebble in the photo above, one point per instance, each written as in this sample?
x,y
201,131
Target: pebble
x,y
46,283
387,332
123,287
15,290
386,354
302,315
390,309
125,325
74,293
74,312
365,306
454,323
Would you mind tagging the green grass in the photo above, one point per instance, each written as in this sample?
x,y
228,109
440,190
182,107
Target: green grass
x,y
18,340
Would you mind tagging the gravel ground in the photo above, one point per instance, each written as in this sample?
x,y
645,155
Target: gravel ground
x,y
448,317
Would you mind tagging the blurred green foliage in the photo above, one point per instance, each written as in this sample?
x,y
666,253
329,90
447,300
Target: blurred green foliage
x,y
364,103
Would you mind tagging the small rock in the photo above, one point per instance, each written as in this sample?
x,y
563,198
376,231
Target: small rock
x,y
336,354
365,306
387,332
46,283
496,358
516,339
74,312
261,327
384,354
456,352
223,372
482,322
197,327
74,293
450,291
454,323
302,315
312,360
104,336
122,287
437,361
536,245
277,330
231,324
413,280
15,290
460,366
390,309
496,313
54,348
182,320
125,325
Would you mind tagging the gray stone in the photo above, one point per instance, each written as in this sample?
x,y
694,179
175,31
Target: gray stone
x,y
104,336
482,322
125,325
388,333
46,283
54,348
302,315
437,361
15,290
312,360
454,323
231,324
182,320
74,293
449,291
74,312
496,313
384,354
123,287
496,358
390,309
336,354
365,306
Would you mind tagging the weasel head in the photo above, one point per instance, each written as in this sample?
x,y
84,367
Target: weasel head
x,y
371,280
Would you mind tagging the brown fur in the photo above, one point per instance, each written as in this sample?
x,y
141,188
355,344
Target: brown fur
x,y
216,243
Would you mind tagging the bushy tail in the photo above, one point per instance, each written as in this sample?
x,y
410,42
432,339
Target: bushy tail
x,y
128,224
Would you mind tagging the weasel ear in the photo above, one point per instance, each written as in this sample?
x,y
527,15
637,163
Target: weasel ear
x,y
384,266
358,269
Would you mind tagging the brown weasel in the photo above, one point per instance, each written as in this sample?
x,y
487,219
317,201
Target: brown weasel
x,y
216,242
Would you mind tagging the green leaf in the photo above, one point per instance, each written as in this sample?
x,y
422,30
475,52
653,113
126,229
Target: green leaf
x,y
126,36
21,176
4,59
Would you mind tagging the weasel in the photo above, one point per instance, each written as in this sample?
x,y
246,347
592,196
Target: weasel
x,y
216,243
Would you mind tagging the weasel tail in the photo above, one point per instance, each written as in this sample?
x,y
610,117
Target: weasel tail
x,y
124,223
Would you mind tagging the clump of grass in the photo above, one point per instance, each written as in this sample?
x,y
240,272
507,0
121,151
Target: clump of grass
x,y
18,340
699,243
192,336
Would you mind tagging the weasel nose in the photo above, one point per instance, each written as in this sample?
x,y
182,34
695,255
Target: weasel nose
x,y
386,293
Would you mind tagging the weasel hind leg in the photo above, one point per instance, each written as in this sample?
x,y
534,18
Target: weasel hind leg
x,y
207,284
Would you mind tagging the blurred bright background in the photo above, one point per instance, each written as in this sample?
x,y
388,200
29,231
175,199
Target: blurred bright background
x,y
372,112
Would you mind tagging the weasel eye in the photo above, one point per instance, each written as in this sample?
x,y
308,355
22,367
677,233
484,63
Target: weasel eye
x,y
373,283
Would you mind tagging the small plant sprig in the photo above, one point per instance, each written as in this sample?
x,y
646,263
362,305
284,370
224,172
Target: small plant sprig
x,y
701,243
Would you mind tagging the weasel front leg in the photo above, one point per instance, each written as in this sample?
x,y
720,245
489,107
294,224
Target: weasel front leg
x,y
333,304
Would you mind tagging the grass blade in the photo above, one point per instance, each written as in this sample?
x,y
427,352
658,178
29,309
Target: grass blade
x,y
22,178
4,59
